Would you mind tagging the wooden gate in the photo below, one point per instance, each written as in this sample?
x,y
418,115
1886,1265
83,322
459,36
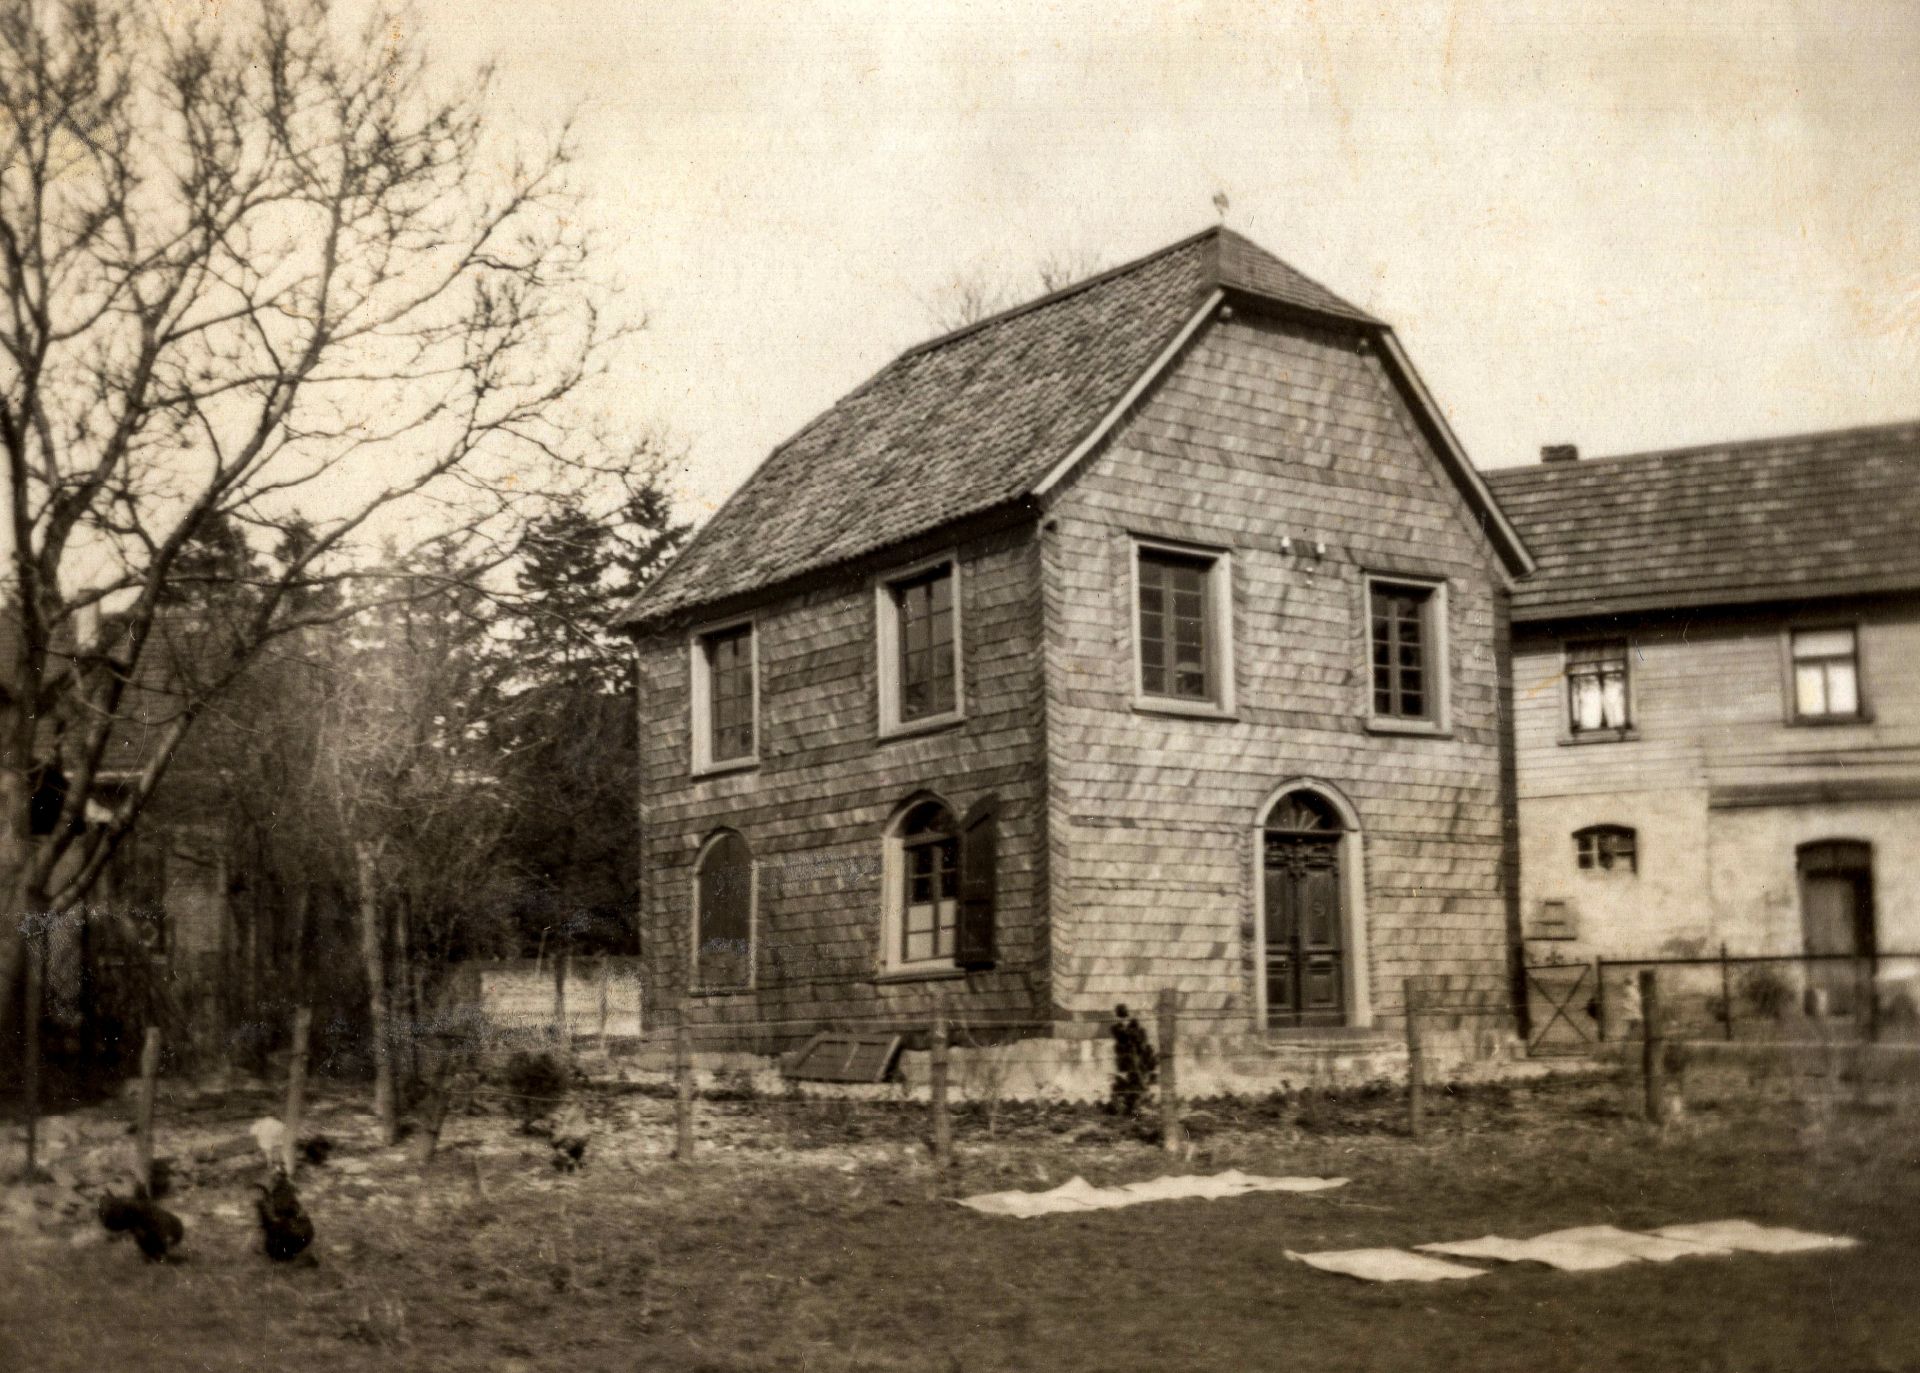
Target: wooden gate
x,y
1560,1009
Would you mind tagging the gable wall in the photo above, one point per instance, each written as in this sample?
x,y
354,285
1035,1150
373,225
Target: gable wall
x,y
815,808
1259,431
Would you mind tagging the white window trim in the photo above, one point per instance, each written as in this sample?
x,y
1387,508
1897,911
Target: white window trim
x,y
695,986
886,619
893,915
1440,655
1224,705
700,698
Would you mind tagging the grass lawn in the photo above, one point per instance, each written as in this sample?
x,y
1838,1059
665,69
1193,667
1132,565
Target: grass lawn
x,y
815,1241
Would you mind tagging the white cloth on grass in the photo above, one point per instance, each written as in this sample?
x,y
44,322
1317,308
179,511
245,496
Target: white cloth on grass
x,y
1567,1256
1656,1248
1755,1239
1386,1265
1081,1195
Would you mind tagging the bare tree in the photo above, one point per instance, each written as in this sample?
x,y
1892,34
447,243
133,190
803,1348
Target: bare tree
x,y
266,272
971,296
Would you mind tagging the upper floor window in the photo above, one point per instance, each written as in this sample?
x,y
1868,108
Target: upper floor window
x,y
919,621
725,705
1597,686
1606,848
1826,674
1183,629
1407,654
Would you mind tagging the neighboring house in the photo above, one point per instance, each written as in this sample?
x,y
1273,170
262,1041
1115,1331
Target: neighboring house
x,y
1717,698
1149,635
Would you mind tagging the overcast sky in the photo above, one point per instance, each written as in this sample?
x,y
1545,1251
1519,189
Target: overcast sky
x,y
1648,225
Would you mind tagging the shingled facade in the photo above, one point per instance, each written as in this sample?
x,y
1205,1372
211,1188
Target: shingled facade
x,y
1151,634
1717,705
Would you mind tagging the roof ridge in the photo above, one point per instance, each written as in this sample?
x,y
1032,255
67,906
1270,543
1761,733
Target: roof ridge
x,y
1702,449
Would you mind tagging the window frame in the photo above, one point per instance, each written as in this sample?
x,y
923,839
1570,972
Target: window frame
x,y
1221,703
894,964
1605,860
1790,662
1571,731
1436,652
696,986
889,684
702,763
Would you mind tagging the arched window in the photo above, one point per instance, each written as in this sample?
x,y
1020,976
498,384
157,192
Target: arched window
x,y
940,887
1607,848
723,914
929,891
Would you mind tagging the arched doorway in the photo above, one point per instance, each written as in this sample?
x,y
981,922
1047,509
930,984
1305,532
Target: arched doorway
x,y
1303,911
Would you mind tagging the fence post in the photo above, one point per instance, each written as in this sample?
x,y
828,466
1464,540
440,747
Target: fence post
x,y
1172,1135
1416,1064
683,1088
1726,992
1873,996
605,1052
143,1119
562,1035
937,1090
38,937
1600,999
296,1086
1650,1034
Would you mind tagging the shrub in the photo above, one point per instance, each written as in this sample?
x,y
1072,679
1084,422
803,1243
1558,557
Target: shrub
x,y
1767,991
536,1084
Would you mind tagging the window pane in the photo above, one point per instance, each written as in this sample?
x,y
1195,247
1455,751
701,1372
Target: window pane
x,y
1398,619
1823,643
1843,691
1614,700
1175,628
1810,689
730,693
925,628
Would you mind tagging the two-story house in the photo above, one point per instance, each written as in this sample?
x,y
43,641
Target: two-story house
x,y
1717,698
1148,635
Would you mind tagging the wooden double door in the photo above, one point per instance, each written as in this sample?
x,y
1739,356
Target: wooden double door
x,y
1305,955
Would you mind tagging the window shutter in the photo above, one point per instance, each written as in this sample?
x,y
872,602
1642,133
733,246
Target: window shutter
x,y
979,859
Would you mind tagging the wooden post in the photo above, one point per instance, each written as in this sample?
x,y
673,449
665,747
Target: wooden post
x,y
561,1038
1650,1036
296,1087
1172,1135
683,1089
1416,1065
1726,992
937,1090
38,937
605,974
143,1120
1600,999
1873,996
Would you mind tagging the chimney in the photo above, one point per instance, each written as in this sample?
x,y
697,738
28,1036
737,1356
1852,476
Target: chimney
x,y
1560,452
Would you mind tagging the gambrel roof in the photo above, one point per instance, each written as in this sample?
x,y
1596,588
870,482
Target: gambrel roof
x,y
1794,518
979,420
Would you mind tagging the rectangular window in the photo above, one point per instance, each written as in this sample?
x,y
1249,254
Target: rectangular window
x,y
1402,633
730,693
1597,686
723,692
1826,674
1607,848
1177,632
924,607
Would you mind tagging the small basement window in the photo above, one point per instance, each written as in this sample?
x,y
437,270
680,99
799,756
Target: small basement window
x,y
1607,848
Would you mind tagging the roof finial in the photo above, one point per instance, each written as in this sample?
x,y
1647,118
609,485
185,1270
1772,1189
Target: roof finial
x,y
1220,204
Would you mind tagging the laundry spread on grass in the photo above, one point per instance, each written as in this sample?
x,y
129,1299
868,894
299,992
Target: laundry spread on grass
x,y
1081,1195
1580,1249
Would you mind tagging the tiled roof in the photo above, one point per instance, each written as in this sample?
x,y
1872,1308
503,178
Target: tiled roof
x,y
1729,524
965,424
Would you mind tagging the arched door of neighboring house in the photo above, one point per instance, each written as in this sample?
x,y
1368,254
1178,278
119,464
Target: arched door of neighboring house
x,y
1305,954
1836,914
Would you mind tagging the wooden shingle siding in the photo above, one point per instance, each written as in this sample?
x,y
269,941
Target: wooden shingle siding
x,y
814,809
1262,431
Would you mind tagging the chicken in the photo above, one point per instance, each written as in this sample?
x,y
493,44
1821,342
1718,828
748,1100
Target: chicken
x,y
271,1138
155,1230
569,1136
285,1227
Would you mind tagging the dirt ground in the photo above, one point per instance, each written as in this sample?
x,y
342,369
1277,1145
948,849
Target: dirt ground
x,y
816,1236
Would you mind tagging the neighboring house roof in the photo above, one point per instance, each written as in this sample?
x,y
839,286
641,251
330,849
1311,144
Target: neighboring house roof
x,y
976,421
1806,516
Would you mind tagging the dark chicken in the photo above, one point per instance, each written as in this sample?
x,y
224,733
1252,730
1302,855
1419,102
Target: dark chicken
x,y
285,1228
155,1230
